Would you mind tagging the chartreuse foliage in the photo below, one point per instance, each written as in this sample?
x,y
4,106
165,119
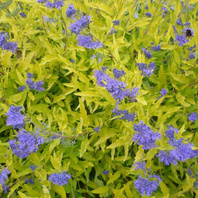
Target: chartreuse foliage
x,y
91,132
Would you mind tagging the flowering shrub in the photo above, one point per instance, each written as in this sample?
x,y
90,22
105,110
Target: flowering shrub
x,y
98,98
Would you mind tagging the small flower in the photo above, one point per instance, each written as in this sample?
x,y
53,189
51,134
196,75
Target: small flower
x,y
5,45
118,73
15,118
4,176
85,41
191,55
39,86
179,22
164,9
33,167
191,48
72,61
192,117
148,14
145,136
135,15
70,11
147,70
22,88
31,181
80,24
96,129
116,22
140,165
105,172
29,75
146,186
60,178
147,53
125,114
181,40
25,144
41,1
163,92
156,48
22,14
187,23
146,7
112,30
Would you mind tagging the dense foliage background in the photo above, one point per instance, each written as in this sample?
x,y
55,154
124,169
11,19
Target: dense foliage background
x,y
98,98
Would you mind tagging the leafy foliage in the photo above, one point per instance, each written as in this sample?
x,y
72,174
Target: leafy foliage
x,y
98,98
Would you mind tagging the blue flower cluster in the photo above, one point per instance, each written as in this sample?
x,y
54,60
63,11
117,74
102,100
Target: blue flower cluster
x,y
163,92
79,25
37,86
118,73
192,116
85,41
15,118
57,4
96,129
147,53
156,48
70,11
31,181
191,55
148,14
5,45
146,186
22,14
115,87
147,70
125,114
60,178
3,177
140,165
180,152
25,144
145,136
116,22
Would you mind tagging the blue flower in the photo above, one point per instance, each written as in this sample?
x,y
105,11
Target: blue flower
x,y
29,75
31,181
5,45
192,116
70,11
146,186
60,178
15,118
57,4
4,176
80,24
146,7
22,88
125,114
170,133
191,55
22,14
156,48
145,136
96,129
147,53
41,1
105,172
187,23
163,92
39,86
33,167
181,40
179,22
25,144
140,165
191,48
118,73
146,70
148,14
85,41
116,22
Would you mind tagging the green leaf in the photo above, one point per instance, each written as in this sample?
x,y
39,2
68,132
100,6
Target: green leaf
x,y
55,143
100,190
113,177
84,145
